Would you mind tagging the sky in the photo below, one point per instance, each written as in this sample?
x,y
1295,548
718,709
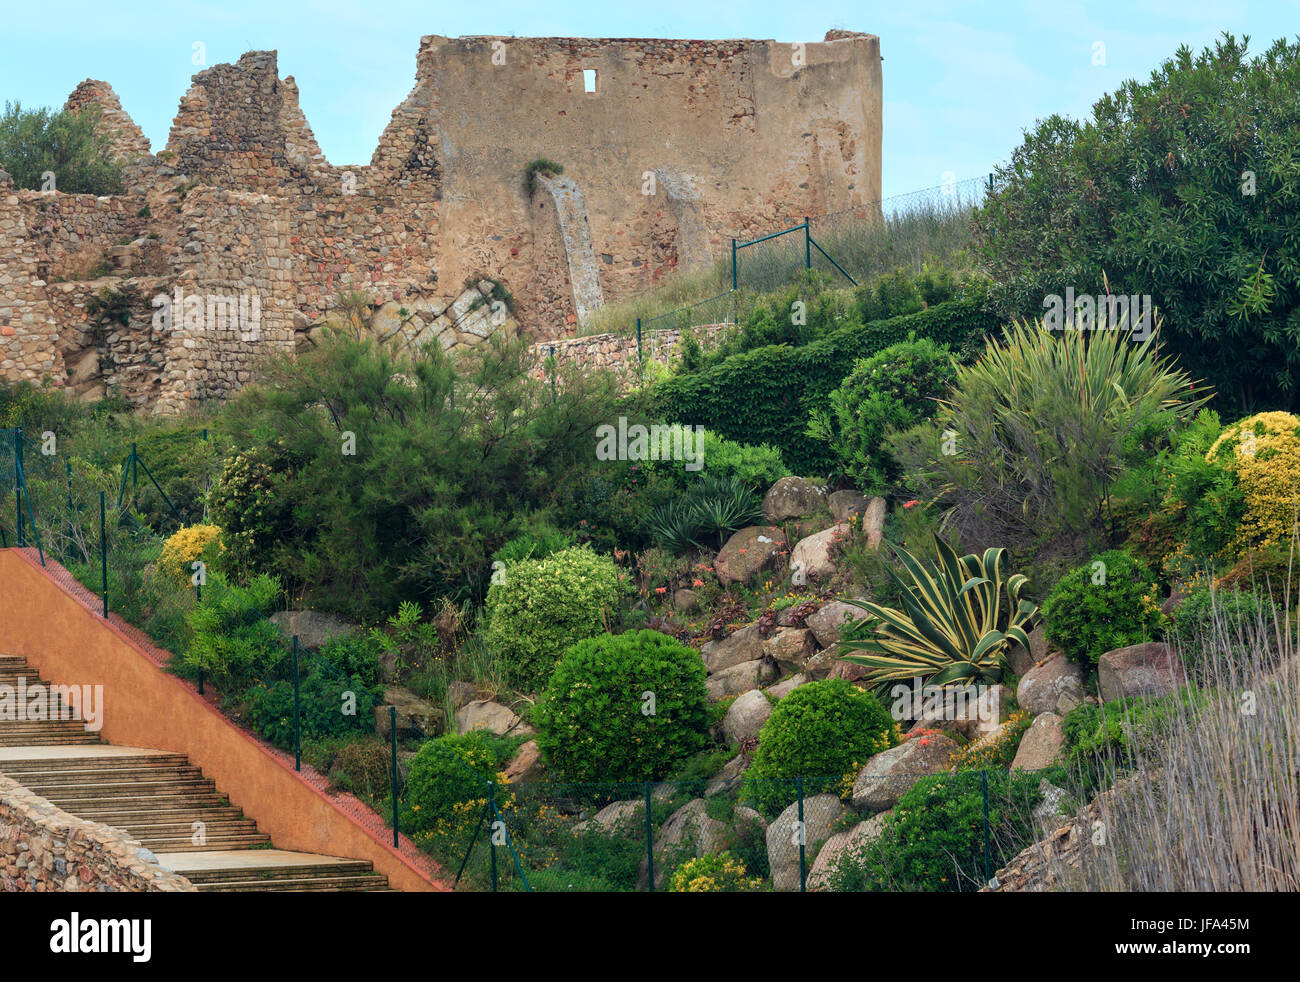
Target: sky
x,y
962,80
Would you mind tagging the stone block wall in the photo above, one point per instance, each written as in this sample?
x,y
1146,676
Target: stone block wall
x,y
43,849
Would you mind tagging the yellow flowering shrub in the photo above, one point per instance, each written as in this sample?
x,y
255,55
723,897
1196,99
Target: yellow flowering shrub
x,y
184,547
718,873
995,750
1263,451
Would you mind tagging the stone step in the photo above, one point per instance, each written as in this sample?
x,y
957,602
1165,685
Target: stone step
x,y
367,883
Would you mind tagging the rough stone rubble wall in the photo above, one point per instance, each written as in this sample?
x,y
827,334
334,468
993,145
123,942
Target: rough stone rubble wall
x,y
43,849
682,145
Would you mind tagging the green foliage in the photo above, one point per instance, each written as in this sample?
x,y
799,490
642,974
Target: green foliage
x,y
1108,603
535,543
436,485
539,166
355,655
954,628
1104,741
823,732
71,144
232,642
891,390
592,720
757,467
711,509
1207,620
1191,169
934,839
331,704
607,505
765,396
538,608
1033,434
447,773
715,873
1202,497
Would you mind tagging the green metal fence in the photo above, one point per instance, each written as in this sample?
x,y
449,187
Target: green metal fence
x,y
803,834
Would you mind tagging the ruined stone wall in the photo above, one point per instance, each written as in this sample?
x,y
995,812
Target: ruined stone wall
x,y
682,145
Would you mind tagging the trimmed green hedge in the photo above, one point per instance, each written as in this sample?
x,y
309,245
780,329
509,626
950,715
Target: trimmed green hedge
x,y
765,395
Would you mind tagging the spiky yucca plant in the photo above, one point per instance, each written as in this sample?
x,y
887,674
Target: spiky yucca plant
x,y
954,628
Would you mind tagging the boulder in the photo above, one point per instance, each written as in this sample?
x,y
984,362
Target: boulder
x,y
790,648
891,773
786,686
1055,686
620,816
526,765
729,778
741,678
742,645
1172,603
1040,744
873,522
820,814
847,504
792,497
853,842
460,692
687,833
814,555
312,627
748,552
1020,660
1150,669
415,717
826,623
970,711
745,717
847,670
484,714
685,600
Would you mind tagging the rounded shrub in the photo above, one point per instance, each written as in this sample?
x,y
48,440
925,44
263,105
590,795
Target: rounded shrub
x,y
1108,603
889,390
1263,452
1205,620
823,732
538,608
184,547
717,873
623,707
448,775
331,704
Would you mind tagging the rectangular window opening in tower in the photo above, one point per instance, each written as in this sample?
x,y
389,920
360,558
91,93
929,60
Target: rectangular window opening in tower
x,y
589,79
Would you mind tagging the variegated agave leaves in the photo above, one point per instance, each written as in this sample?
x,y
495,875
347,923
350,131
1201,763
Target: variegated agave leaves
x,y
955,627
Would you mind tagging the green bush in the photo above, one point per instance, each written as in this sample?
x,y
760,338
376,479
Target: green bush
x,y
891,390
354,654
757,467
1206,620
1101,742
71,144
934,839
232,642
705,515
1108,603
1203,498
538,608
536,543
596,720
447,773
765,396
715,873
823,732
331,704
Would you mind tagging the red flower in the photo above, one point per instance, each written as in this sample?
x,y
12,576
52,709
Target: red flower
x,y
911,504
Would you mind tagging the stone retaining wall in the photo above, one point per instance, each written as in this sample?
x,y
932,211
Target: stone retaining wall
x,y
43,849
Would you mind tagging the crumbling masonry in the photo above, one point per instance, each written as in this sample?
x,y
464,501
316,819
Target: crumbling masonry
x,y
668,148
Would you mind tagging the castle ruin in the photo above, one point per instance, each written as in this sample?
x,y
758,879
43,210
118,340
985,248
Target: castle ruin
x,y
668,150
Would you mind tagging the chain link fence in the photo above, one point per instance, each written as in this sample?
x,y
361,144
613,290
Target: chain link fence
x,y
901,832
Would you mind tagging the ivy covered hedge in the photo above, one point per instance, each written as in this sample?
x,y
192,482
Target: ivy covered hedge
x,y
765,395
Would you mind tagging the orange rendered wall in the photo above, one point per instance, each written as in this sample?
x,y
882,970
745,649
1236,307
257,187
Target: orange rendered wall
x,y
54,627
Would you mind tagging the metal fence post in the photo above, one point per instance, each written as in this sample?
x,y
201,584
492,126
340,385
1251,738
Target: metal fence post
x,y
18,486
803,836
492,840
551,368
733,264
807,243
135,477
103,551
392,733
984,794
649,841
67,467
297,726
640,355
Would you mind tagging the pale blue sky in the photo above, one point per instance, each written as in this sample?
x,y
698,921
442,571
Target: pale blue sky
x,y
962,80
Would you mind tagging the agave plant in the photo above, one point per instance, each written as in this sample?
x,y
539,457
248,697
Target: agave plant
x,y
711,510
955,627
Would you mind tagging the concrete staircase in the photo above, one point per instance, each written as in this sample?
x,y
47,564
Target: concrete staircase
x,y
165,802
